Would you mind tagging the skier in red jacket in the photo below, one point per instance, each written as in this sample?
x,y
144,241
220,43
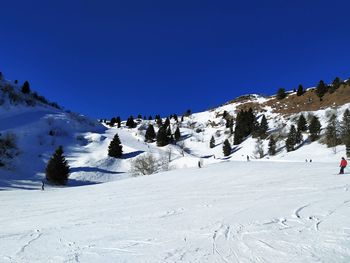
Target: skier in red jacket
x,y
343,164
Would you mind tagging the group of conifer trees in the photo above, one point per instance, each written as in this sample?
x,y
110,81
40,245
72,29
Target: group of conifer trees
x,y
321,89
57,170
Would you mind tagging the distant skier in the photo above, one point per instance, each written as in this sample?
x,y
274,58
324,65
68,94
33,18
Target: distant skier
x,y
199,164
248,158
343,164
42,185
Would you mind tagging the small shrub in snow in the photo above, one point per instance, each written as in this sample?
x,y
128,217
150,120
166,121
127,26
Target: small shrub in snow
x,y
212,142
148,164
25,88
227,148
8,147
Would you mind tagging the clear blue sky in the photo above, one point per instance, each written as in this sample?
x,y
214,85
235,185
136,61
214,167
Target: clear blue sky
x,y
107,58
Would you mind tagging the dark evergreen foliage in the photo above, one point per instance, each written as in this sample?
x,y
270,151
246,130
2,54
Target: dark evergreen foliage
x,y
302,124
272,146
345,131
177,134
298,137
159,122
118,121
162,138
188,113
335,85
300,90
167,122
150,134
291,139
112,122
281,94
245,125
321,89
261,129
26,87
150,118
333,131
227,148
314,128
115,148
139,117
57,169
130,122
212,142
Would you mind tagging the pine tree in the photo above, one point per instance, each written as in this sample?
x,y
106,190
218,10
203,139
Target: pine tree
x,y
130,122
281,94
168,132
177,134
150,133
115,148
159,122
333,131
227,148
263,127
298,137
314,128
302,124
57,169
118,120
300,90
167,122
176,118
272,146
245,125
162,138
345,131
139,117
26,87
291,139
150,118
212,142
321,89
112,122
335,85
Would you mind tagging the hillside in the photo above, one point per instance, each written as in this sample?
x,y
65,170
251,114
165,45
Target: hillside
x,y
275,208
39,127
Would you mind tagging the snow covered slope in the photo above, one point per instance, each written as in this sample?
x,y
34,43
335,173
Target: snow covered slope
x,y
273,209
229,212
37,130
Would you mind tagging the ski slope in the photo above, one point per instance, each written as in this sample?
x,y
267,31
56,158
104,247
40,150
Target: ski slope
x,y
258,211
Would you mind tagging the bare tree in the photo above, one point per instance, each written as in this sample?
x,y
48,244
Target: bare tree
x,y
169,154
259,148
183,147
148,164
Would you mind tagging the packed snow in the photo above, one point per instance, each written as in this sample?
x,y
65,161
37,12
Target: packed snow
x,y
227,212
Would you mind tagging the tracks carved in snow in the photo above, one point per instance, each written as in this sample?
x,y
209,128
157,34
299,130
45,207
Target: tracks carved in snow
x,y
35,236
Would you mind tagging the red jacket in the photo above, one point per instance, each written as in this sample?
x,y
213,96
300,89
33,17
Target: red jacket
x,y
343,163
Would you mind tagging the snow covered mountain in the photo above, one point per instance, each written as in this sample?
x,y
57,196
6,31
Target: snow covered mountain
x,y
37,127
275,208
